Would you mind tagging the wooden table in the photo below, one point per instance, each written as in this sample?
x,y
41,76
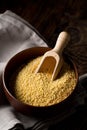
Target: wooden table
x,y
50,17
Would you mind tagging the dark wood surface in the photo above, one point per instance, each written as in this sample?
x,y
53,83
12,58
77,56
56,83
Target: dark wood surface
x,y
50,17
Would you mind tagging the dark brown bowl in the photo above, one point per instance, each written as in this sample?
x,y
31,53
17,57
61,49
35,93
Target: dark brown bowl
x,y
10,68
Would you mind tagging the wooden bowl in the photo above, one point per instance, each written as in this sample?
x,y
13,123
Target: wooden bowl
x,y
10,68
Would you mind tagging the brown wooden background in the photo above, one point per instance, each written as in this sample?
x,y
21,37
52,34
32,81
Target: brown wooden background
x,y
46,17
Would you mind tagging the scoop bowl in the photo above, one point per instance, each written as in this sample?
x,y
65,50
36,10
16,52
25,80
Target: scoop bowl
x,y
11,67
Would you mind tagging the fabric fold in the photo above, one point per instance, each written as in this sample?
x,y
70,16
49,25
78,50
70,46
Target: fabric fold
x,y
15,35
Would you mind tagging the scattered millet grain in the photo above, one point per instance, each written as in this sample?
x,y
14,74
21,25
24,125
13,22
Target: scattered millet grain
x,y
37,89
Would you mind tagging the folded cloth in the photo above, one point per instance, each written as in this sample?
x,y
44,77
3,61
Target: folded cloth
x,y
15,35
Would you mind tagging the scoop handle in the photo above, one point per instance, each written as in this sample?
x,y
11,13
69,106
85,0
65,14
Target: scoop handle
x,y
61,42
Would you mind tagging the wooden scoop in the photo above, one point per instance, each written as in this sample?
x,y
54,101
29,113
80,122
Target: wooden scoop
x,y
52,60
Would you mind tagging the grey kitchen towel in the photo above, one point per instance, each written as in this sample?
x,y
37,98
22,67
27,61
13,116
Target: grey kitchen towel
x,y
15,35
